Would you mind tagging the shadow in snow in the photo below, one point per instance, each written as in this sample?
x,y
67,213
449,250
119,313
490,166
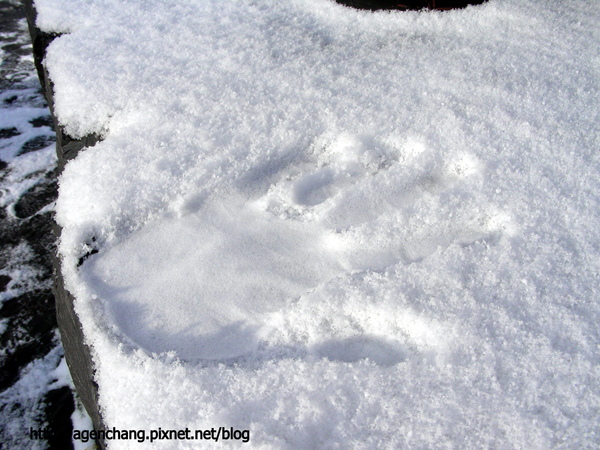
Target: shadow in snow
x,y
144,327
381,352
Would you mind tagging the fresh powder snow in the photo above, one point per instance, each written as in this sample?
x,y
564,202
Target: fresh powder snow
x,y
331,227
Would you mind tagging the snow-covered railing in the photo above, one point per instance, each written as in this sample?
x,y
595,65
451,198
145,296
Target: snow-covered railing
x,y
77,352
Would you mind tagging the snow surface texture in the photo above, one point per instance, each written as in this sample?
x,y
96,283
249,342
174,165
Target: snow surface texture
x,y
336,228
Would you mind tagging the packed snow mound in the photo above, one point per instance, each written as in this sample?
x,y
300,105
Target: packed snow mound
x,y
334,227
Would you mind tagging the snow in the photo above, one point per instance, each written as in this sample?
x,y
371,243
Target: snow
x,y
24,274
335,228
81,421
22,405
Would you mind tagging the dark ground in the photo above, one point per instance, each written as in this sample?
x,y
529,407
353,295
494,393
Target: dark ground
x,y
31,395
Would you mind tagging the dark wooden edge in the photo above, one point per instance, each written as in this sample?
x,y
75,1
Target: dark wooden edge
x,y
77,353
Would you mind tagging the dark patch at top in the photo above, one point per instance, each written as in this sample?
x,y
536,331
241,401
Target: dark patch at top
x,y
374,5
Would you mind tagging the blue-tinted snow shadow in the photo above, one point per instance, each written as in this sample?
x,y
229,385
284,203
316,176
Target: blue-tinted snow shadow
x,y
379,351
138,326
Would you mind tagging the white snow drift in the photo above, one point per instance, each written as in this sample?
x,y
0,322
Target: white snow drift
x,y
335,228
